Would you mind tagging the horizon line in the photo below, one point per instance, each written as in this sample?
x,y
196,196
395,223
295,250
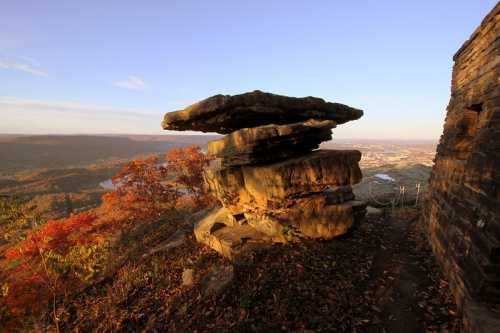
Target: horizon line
x,y
181,133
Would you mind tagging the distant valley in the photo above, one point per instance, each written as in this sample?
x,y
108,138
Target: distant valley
x,y
61,174
58,174
21,153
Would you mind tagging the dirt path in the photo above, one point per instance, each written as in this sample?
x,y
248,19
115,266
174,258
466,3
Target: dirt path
x,y
406,291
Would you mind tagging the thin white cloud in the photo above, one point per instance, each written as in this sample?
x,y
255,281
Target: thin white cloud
x,y
23,66
31,61
20,115
132,82
13,103
34,116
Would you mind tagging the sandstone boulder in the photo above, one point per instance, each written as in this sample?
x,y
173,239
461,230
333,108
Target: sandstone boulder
x,y
270,143
277,185
311,217
188,277
217,280
226,238
225,114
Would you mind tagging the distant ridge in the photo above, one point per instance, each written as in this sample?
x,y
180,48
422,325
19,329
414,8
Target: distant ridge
x,y
27,152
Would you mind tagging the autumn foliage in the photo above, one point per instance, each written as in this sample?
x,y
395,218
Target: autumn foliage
x,y
44,264
57,236
147,189
188,165
141,192
61,256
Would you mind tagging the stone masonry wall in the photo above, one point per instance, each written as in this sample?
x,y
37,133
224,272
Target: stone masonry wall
x,y
463,208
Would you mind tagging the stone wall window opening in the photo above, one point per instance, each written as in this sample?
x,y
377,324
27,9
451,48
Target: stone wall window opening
x,y
477,107
472,118
468,126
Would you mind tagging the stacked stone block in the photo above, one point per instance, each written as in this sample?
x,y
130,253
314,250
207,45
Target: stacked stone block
x,y
463,208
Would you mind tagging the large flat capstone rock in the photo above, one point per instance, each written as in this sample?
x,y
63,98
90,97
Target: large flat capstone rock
x,y
270,143
277,185
225,114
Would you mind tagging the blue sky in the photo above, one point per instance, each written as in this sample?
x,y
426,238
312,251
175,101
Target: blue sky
x,y
117,66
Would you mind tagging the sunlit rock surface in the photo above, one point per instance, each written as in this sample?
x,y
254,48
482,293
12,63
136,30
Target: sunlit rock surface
x,y
218,231
270,143
281,184
463,208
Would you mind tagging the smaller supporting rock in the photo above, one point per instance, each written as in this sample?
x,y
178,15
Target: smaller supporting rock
x,y
273,185
218,279
270,143
228,240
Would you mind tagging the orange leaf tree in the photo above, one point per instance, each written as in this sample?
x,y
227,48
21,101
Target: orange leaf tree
x,y
53,258
142,191
188,165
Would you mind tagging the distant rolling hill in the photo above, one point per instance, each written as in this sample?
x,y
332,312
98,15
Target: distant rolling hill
x,y
23,153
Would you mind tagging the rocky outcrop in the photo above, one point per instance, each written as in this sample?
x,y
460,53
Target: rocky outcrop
x,y
223,233
270,143
271,182
225,114
281,184
463,208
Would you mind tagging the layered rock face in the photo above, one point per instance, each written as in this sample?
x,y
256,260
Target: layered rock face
x,y
271,181
463,208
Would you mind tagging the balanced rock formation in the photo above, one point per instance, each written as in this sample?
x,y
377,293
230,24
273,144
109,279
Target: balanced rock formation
x,y
271,181
463,209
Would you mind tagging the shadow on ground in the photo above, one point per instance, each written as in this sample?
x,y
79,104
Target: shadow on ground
x,y
380,278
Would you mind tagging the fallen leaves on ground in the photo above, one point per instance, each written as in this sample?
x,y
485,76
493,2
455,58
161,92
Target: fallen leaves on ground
x,y
371,280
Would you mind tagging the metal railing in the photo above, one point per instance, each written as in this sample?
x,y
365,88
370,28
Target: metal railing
x,y
399,198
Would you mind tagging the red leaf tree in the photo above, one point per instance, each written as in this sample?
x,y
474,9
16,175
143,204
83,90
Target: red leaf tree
x,y
142,192
56,235
33,276
188,165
